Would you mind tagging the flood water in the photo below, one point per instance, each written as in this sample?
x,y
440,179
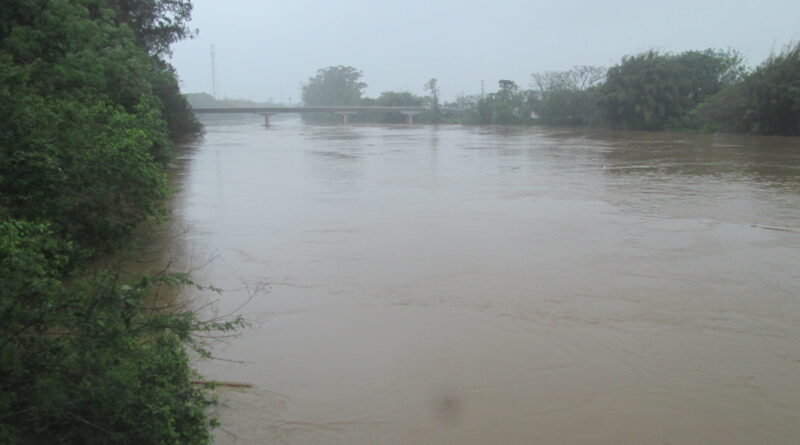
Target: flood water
x,y
480,285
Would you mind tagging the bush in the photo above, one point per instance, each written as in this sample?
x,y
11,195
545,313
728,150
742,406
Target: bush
x,y
767,101
87,110
654,91
98,361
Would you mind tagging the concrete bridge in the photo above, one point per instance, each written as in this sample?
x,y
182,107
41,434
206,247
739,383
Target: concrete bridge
x,y
410,112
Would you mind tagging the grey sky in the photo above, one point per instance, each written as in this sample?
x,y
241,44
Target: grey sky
x,y
267,49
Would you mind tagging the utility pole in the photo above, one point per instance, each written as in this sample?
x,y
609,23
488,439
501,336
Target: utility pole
x,y
213,74
481,89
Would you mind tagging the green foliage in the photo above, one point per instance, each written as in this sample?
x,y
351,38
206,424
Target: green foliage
x,y
91,170
180,119
334,86
157,24
87,110
507,106
102,361
568,97
63,53
397,99
767,101
82,132
725,111
653,91
709,89
569,107
390,99
432,87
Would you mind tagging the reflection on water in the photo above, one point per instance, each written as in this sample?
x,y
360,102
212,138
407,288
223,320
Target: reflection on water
x,y
477,285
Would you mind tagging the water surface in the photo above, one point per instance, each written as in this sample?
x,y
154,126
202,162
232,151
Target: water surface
x,y
474,285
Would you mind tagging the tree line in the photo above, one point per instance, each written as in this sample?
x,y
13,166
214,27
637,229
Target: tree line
x,y
89,114
708,90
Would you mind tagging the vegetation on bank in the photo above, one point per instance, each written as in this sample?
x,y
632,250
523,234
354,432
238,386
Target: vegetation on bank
x,y
89,111
707,90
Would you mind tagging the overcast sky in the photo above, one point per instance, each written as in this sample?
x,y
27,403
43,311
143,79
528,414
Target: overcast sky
x,y
267,49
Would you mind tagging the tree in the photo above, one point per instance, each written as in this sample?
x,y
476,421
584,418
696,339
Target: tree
x,y
432,87
96,361
398,99
568,107
579,78
157,24
394,99
507,106
83,141
334,86
653,91
568,97
507,87
767,101
83,132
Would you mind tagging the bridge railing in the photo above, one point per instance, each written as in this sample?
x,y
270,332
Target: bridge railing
x,y
410,112
276,110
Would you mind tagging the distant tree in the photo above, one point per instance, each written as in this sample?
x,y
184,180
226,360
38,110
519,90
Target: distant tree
x,y
568,107
334,86
507,87
568,97
583,77
398,99
709,71
546,82
393,99
579,78
432,87
652,90
767,101
507,106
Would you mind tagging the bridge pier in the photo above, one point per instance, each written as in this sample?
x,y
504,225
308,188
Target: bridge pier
x,y
410,115
266,118
344,115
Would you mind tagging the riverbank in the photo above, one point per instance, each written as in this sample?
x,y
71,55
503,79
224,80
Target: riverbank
x,y
90,114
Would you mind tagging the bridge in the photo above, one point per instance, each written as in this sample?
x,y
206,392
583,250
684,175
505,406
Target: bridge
x,y
410,112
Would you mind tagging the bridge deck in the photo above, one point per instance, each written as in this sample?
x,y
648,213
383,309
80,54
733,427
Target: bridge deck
x,y
275,110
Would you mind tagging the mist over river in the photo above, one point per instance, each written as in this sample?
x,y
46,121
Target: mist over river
x,y
488,285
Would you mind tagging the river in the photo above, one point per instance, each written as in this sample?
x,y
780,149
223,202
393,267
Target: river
x,y
479,285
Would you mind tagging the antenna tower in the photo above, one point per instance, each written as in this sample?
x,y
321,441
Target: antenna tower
x,y
213,73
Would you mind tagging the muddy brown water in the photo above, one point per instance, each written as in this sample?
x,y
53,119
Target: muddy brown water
x,y
476,285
